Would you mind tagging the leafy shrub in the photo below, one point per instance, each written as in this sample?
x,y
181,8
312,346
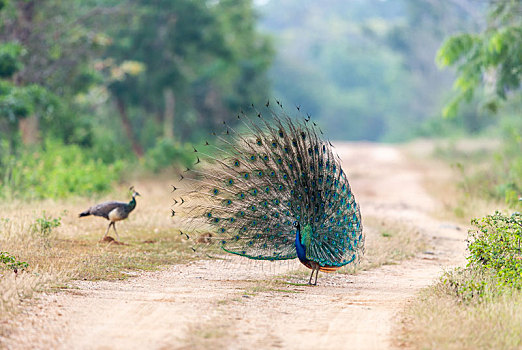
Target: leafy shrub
x,y
42,228
55,171
495,245
494,260
12,263
44,225
167,153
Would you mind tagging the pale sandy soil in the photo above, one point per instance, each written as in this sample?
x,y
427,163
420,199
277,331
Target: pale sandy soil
x,y
215,305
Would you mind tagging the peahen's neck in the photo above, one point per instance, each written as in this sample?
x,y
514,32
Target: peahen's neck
x,y
132,203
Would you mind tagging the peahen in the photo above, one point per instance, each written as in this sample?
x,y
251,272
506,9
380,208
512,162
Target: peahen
x,y
112,211
274,190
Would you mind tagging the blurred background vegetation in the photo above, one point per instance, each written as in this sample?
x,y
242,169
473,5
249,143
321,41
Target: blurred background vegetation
x,y
91,90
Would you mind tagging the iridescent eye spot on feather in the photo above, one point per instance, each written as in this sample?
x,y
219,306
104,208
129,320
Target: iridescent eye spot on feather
x,y
264,204
223,242
303,135
274,143
246,176
227,202
259,142
253,158
265,158
276,201
253,207
267,189
279,161
236,163
232,220
280,187
222,230
254,192
241,213
230,182
260,173
294,142
272,173
209,215
241,195
215,191
216,220
281,134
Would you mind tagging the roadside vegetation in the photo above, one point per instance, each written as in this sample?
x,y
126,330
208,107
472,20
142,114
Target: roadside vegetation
x,y
478,306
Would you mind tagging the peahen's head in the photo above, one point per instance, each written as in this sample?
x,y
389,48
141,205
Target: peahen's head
x,y
134,193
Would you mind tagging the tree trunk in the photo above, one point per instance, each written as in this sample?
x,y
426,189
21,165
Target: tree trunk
x,y
136,147
29,130
168,119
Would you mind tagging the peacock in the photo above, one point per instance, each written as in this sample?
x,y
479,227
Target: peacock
x,y
273,189
113,211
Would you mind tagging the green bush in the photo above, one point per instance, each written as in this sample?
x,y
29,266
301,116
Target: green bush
x,y
494,260
495,245
55,170
10,262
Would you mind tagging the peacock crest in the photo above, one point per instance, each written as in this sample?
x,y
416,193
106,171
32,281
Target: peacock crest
x,y
254,182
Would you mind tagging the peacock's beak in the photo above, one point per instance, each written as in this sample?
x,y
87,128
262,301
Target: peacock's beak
x,y
137,194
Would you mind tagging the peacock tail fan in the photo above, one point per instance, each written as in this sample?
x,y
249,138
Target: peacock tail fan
x,y
254,181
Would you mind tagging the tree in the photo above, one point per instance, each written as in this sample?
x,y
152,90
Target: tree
x,y
56,44
202,61
491,58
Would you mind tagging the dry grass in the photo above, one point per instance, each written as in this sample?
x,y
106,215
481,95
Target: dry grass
x,y
388,242
436,320
450,184
73,251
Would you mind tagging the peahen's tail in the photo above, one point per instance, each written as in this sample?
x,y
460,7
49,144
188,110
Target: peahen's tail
x,y
252,183
84,213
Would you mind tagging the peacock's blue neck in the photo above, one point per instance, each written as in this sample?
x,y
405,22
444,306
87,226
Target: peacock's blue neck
x,y
300,247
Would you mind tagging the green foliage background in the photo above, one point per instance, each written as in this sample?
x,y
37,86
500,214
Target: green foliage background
x,y
106,86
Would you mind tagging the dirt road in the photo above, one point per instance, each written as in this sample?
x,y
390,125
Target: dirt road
x,y
235,305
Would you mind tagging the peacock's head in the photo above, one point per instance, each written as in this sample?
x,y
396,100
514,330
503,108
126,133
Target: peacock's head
x,y
134,193
297,225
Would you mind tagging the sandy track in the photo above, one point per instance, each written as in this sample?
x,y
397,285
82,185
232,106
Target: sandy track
x,y
215,305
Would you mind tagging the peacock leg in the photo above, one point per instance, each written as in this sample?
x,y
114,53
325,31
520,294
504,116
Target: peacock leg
x,y
311,275
114,226
315,266
316,273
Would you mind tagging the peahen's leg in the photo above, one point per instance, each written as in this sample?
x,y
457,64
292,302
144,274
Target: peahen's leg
x,y
114,226
106,232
